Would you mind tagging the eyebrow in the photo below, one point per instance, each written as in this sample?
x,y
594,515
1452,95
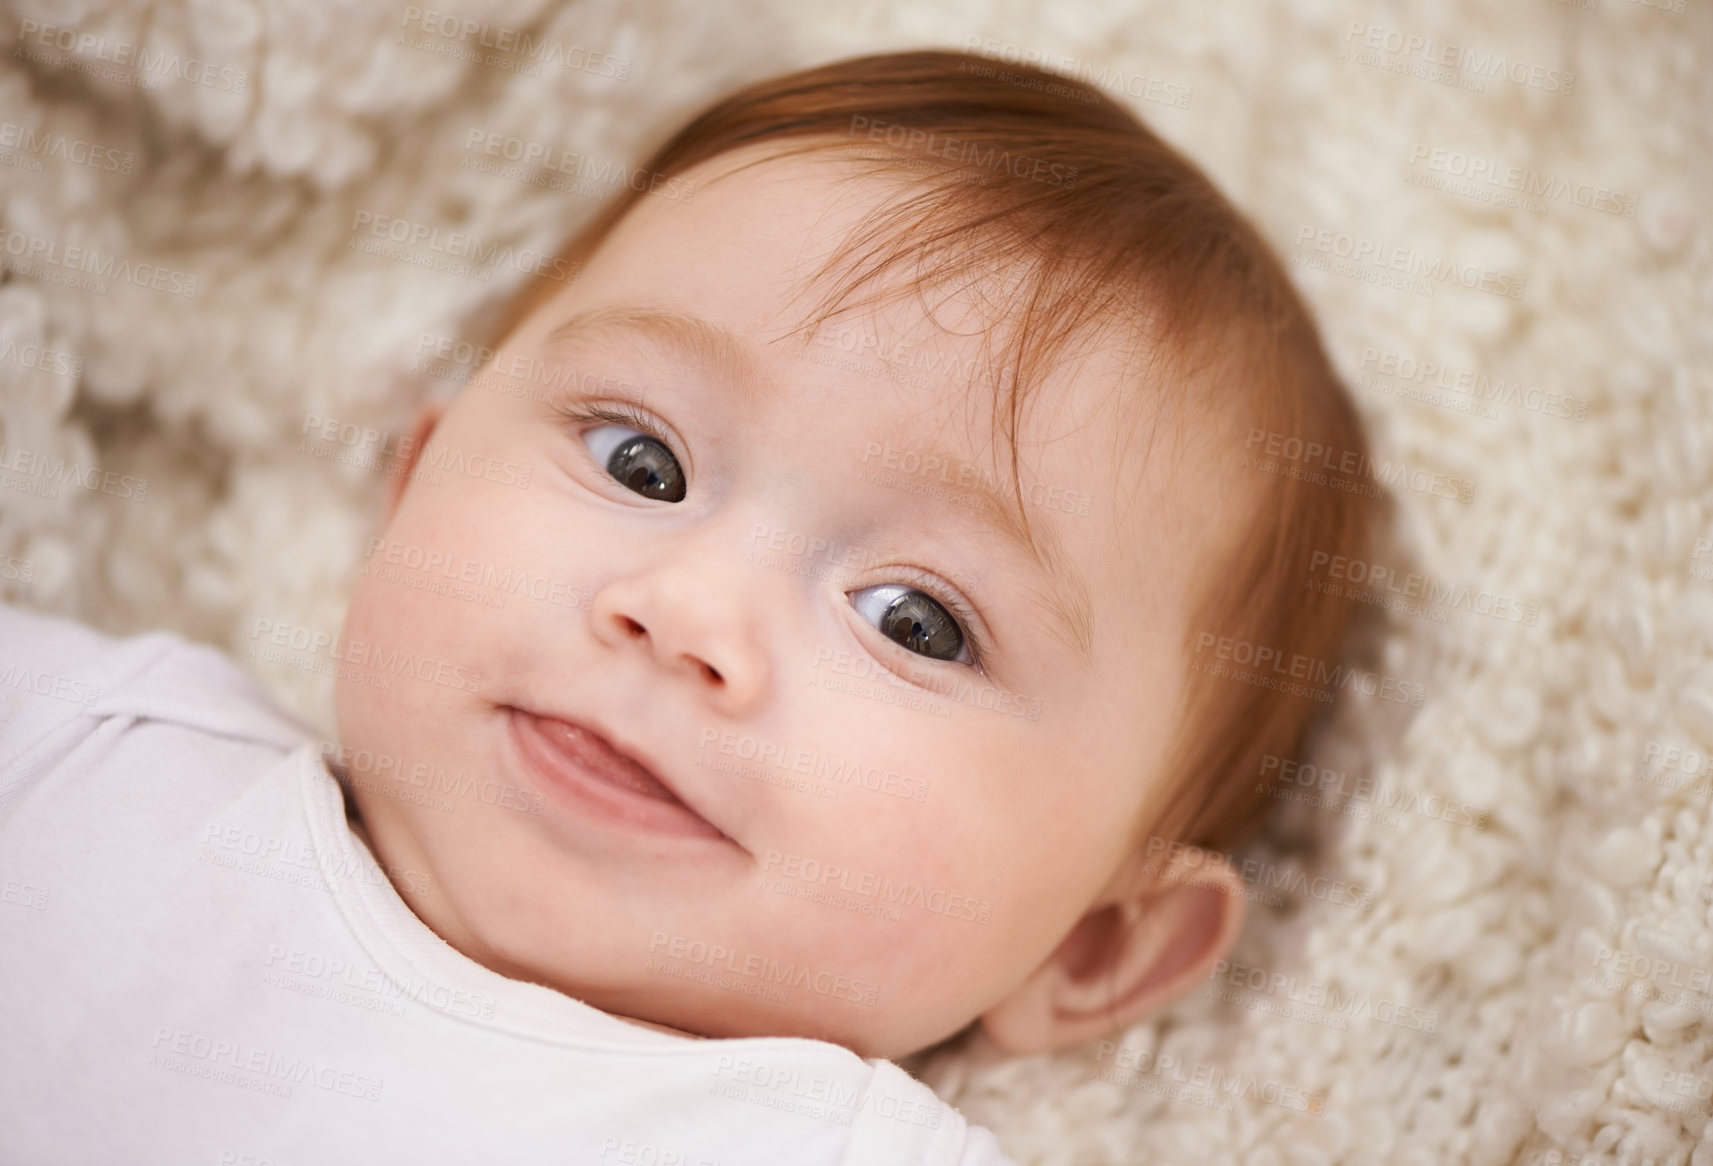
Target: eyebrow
x,y
704,342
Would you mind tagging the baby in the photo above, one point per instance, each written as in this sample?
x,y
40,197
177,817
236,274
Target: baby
x,y
886,485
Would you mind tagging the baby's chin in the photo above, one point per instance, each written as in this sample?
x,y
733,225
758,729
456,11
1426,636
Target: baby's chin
x,y
671,1005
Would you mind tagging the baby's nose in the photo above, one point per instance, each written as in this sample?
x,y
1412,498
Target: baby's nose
x,y
689,617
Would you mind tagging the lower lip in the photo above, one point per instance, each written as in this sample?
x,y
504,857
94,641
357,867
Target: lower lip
x,y
596,794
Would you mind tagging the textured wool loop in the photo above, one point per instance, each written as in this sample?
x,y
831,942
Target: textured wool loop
x,y
242,242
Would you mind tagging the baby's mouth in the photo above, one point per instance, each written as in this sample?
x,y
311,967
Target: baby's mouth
x,y
577,761
595,752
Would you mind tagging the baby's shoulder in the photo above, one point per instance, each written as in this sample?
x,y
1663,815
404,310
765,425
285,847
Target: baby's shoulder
x,y
54,671
33,640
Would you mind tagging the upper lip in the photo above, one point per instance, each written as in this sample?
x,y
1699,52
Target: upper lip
x,y
628,750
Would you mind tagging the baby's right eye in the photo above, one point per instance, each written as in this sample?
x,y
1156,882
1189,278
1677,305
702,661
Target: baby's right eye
x,y
643,463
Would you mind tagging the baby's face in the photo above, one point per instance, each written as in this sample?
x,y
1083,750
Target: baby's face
x,y
887,814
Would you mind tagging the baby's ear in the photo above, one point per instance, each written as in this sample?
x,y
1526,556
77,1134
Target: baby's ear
x,y
427,417
1151,935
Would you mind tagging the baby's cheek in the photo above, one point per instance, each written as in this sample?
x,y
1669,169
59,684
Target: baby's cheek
x,y
359,707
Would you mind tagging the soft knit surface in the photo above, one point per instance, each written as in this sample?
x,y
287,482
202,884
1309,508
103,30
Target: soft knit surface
x,y
1482,926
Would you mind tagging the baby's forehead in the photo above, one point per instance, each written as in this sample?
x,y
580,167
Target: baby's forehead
x,y
981,340
1088,411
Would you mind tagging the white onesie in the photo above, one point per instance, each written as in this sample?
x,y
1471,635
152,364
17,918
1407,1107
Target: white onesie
x,y
200,963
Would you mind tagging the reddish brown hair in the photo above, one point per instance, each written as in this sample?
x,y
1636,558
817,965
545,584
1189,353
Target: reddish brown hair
x,y
1109,228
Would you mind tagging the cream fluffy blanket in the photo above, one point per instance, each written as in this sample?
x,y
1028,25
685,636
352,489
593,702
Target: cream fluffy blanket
x,y
1500,212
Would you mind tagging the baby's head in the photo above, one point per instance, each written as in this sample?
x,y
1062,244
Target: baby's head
x,y
874,483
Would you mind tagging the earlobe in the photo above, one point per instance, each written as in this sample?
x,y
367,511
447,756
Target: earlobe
x,y
1152,936
409,452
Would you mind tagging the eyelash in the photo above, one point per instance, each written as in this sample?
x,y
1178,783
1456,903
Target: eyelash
x,y
620,413
626,414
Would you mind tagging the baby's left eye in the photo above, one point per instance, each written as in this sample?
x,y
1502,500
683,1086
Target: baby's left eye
x,y
644,464
915,620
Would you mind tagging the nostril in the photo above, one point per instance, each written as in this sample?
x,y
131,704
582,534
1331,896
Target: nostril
x,y
630,625
712,673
